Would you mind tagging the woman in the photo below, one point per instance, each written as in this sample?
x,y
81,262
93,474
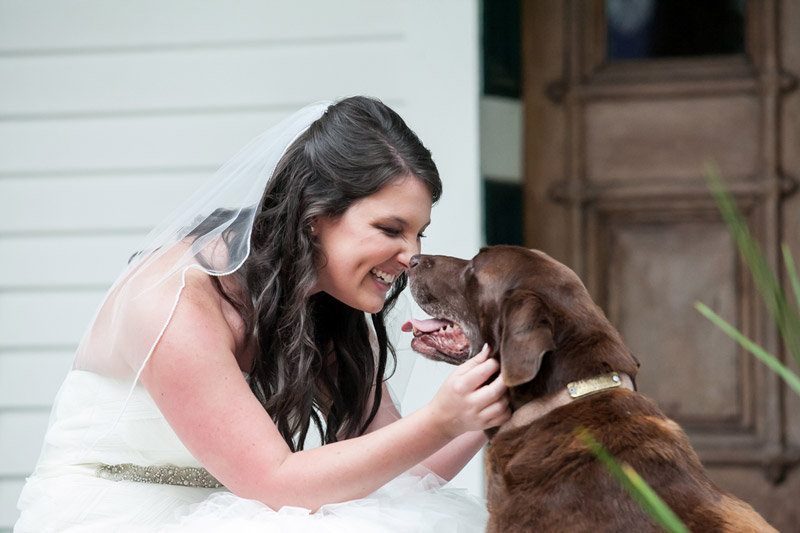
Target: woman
x,y
240,328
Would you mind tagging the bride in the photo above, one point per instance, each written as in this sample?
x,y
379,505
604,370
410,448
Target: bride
x,y
241,329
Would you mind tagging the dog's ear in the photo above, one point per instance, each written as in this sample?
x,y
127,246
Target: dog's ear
x,y
525,337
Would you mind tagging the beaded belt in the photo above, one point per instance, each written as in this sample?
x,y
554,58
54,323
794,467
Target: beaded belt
x,y
187,476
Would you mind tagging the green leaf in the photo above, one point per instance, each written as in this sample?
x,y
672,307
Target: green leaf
x,y
767,283
768,359
792,271
644,495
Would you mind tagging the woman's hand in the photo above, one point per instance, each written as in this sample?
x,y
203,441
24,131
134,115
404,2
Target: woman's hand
x,y
466,402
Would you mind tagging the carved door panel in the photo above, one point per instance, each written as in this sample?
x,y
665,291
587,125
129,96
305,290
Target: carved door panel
x,y
616,149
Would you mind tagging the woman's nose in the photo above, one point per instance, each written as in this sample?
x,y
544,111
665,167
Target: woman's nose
x,y
408,254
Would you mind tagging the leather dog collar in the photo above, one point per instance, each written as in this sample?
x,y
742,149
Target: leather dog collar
x,y
574,390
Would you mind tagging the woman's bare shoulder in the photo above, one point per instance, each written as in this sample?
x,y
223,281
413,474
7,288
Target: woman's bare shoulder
x,y
200,313
198,334
187,300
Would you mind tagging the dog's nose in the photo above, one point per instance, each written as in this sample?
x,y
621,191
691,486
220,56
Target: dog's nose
x,y
414,261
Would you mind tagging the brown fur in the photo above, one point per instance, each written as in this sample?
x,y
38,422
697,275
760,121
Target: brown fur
x,y
546,331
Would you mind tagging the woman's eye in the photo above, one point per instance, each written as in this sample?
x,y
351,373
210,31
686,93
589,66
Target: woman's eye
x,y
421,236
392,232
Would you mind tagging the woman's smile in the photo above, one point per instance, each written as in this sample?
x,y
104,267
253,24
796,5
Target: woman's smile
x,y
368,247
384,277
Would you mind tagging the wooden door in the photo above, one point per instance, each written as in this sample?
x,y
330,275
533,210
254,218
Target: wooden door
x,y
615,186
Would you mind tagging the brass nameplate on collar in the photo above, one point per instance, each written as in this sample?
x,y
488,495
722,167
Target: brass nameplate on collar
x,y
585,387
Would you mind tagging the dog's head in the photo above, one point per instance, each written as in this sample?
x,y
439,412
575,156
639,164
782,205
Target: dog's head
x,y
521,302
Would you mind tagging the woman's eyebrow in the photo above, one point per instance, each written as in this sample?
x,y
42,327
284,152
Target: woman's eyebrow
x,y
403,222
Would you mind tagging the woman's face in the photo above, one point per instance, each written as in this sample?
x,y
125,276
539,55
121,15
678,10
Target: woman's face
x,y
369,246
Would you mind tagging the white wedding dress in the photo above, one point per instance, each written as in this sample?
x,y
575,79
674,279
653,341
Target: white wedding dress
x,y
139,477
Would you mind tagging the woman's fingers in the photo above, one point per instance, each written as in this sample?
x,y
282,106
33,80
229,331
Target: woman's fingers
x,y
468,400
480,372
476,360
491,398
495,398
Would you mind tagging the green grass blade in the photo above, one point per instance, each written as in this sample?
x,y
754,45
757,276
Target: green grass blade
x,y
768,359
645,496
766,282
792,271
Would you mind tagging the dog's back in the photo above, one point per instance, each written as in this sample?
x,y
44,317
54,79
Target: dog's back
x,y
542,477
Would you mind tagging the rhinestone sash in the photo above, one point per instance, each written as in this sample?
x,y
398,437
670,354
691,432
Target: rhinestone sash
x,y
187,476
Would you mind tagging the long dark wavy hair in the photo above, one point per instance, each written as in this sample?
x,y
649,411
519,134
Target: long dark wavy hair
x,y
314,362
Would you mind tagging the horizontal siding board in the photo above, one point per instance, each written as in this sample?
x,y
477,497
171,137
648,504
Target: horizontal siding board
x,y
45,319
106,145
30,379
9,494
109,145
64,261
102,203
15,459
51,24
199,79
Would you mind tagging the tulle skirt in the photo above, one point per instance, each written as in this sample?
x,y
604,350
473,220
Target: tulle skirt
x,y
407,504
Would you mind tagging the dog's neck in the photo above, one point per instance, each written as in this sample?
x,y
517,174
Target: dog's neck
x,y
574,391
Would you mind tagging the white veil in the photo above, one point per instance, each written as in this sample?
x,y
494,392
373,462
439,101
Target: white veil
x,y
138,307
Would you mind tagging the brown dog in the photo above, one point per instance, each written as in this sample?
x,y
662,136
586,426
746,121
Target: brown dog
x,y
566,368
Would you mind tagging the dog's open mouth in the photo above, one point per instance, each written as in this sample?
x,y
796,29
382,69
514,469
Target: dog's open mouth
x,y
438,338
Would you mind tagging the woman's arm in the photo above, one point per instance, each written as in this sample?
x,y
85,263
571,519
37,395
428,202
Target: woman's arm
x,y
195,380
447,461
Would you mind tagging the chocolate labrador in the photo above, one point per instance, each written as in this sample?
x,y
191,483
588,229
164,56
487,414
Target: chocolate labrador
x,y
567,369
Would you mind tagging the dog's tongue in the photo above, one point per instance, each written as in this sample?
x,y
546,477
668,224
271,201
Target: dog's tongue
x,y
426,326
438,339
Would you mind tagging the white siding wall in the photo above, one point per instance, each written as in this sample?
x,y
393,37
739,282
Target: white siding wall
x,y
111,111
